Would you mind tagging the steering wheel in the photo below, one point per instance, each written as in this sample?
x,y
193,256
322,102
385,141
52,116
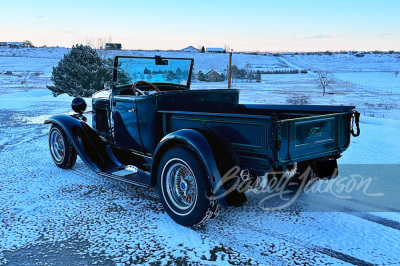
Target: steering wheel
x,y
135,90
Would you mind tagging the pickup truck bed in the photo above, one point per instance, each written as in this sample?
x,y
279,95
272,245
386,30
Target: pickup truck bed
x,y
265,135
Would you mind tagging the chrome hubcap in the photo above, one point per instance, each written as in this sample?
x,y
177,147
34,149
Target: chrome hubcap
x,y
57,146
181,185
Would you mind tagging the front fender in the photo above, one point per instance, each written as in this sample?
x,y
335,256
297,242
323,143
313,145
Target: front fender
x,y
95,152
201,146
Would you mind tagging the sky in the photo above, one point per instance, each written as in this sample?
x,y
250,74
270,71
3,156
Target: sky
x,y
247,25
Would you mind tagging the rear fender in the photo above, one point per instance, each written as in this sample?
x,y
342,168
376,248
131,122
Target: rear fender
x,y
200,144
95,152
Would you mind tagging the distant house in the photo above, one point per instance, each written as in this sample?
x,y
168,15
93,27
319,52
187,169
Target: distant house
x,y
113,46
214,76
16,44
215,50
190,49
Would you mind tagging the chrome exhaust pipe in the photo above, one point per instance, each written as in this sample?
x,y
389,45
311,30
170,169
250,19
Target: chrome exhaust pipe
x,y
290,173
245,175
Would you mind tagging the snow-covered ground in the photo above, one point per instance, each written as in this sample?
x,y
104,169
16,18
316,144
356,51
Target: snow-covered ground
x,y
54,216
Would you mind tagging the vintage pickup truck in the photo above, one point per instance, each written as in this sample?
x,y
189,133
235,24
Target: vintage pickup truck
x,y
150,129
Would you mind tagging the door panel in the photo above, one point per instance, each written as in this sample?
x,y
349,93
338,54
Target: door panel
x,y
126,130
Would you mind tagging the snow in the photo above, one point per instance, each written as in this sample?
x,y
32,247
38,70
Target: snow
x,y
190,49
213,49
49,215
379,143
372,80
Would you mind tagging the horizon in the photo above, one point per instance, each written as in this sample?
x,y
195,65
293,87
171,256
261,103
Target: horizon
x,y
233,51
256,26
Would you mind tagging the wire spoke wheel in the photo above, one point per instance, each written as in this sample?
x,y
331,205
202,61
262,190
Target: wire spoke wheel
x,y
61,150
184,188
57,146
181,185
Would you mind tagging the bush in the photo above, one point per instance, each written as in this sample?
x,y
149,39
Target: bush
x,y
28,43
81,72
298,100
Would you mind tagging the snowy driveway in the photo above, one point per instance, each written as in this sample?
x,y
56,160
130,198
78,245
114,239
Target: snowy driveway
x,y
49,215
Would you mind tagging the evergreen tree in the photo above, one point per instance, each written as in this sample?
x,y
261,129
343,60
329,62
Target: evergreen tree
x,y
81,72
123,77
258,76
203,49
170,75
202,76
242,73
235,72
179,73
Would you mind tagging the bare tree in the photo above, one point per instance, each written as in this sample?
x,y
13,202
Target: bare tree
x,y
99,45
227,48
28,43
248,69
324,80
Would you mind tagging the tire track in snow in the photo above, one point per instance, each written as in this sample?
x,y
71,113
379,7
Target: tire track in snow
x,y
304,244
23,139
350,211
369,204
376,219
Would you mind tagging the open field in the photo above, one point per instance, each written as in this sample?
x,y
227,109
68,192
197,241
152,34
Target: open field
x,y
368,82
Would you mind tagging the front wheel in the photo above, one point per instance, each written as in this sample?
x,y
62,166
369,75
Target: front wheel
x,y
183,188
61,150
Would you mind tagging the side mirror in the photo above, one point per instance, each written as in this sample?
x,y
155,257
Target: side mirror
x,y
107,86
78,105
160,61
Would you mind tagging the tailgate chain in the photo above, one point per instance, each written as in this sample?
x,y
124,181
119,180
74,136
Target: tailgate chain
x,y
276,139
355,117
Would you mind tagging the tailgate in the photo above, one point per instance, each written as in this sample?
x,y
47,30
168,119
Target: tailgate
x,y
313,137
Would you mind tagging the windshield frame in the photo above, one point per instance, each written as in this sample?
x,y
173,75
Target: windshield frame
x,y
115,72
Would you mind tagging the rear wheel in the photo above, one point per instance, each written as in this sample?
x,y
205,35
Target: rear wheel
x,y
184,189
61,150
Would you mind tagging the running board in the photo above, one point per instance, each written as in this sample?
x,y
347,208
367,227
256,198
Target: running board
x,y
131,175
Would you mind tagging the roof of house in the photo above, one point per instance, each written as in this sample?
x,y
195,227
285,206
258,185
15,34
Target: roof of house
x,y
210,49
212,72
190,49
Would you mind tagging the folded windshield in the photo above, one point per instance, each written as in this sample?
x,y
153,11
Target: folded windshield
x,y
154,70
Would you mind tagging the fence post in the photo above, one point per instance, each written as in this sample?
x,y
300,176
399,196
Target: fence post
x,y
230,70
